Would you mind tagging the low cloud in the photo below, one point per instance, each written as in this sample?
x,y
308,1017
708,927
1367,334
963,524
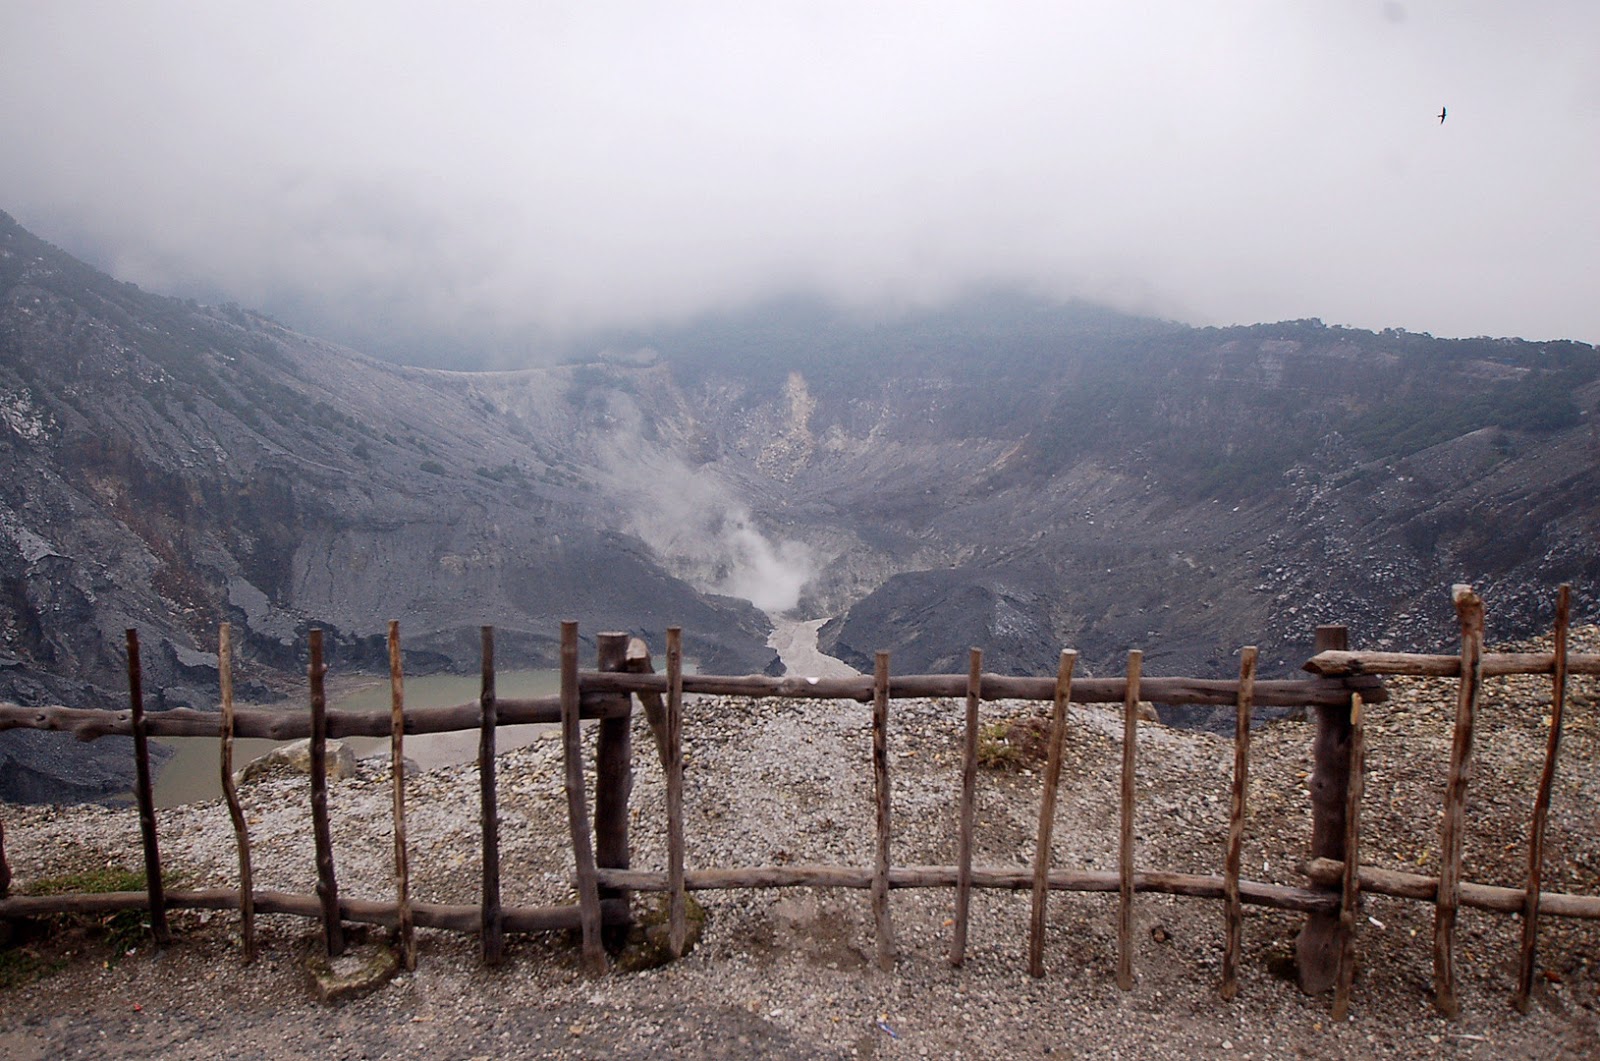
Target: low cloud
x,y
441,182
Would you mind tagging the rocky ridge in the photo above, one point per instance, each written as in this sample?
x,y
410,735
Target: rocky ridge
x,y
1001,473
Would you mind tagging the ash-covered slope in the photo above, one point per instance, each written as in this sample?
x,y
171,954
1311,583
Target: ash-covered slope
x,y
1019,476
1002,472
168,466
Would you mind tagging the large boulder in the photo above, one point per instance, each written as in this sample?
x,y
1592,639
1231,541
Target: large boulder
x,y
296,759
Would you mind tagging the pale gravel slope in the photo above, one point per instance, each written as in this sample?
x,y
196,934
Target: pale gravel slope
x,y
790,974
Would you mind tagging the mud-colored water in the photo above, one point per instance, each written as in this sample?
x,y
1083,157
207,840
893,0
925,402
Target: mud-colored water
x,y
193,773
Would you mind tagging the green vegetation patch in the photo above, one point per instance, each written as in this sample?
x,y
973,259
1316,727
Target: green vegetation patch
x,y
122,931
1537,405
1014,744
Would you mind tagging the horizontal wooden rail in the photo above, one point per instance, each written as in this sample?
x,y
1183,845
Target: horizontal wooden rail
x,y
1223,692
1407,664
1198,885
88,724
1329,871
600,689
451,917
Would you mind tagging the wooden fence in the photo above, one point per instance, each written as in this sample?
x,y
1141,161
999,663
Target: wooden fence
x,y
1341,685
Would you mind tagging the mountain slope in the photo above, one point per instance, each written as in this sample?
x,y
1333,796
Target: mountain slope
x,y
1000,472
168,467
1039,475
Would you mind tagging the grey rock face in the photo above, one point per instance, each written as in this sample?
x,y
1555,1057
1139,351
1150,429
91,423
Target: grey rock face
x,y
1002,473
170,467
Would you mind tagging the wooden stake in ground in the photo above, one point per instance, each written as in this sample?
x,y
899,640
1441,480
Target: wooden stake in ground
x,y
655,712
230,793
1317,948
5,867
677,904
1236,807
1469,609
1541,803
145,795
969,808
594,951
489,810
1130,745
1350,895
397,771
1047,812
613,780
322,835
880,785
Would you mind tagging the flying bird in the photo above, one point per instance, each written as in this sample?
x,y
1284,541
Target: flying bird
x,y
1442,112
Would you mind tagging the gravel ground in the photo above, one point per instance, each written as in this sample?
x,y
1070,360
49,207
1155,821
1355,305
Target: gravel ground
x,y
790,973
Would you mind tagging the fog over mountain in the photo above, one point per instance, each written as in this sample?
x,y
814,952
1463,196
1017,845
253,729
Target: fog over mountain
x,y
482,185
1005,472
935,319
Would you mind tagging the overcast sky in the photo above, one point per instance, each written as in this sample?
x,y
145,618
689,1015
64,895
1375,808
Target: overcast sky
x,y
378,169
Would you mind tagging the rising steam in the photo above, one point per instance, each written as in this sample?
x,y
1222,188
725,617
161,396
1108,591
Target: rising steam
x,y
699,530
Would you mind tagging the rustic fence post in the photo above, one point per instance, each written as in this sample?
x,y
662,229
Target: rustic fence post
x,y
655,710
1244,703
880,785
1321,940
677,905
1469,609
969,804
322,835
146,798
594,952
1047,812
1130,748
1541,803
1350,898
613,780
230,792
493,923
397,768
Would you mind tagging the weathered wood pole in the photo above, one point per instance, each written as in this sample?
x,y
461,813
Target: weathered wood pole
x,y
1541,803
677,903
594,951
1469,609
1491,897
1350,894
613,781
1234,912
322,835
1047,812
5,867
145,795
230,793
1130,750
969,808
493,931
880,785
655,712
1317,949
397,771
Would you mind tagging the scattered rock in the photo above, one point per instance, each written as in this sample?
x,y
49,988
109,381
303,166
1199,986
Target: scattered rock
x,y
296,758
359,971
